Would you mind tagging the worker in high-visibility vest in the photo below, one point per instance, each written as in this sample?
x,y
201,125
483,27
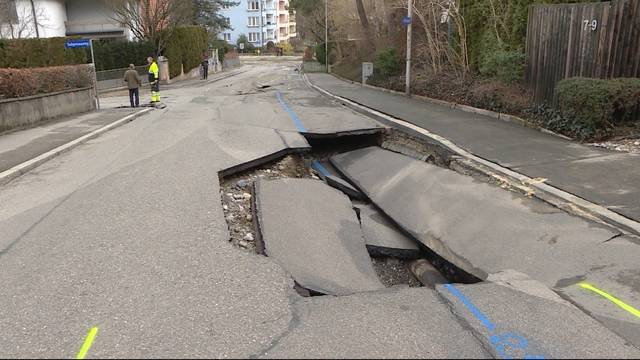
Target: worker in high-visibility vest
x,y
154,80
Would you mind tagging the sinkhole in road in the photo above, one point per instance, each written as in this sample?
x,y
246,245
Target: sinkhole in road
x,y
415,267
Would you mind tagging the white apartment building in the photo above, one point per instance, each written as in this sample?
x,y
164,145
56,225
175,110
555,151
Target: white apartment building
x,y
277,24
52,18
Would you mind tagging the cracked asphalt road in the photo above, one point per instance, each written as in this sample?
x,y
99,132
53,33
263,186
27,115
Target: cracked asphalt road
x,y
126,233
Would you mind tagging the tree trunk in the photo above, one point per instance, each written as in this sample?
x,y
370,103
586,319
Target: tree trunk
x,y
364,21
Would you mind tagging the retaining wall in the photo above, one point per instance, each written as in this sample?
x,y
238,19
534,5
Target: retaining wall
x,y
30,110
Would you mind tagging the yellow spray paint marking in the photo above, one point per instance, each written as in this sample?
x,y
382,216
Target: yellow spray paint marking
x,y
630,309
87,343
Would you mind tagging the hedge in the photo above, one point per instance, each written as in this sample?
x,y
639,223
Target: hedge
x,y
31,53
185,48
117,54
597,104
16,83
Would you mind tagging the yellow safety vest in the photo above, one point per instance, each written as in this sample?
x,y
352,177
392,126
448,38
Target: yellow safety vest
x,y
153,71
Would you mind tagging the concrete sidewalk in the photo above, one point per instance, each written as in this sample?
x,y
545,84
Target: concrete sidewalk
x,y
601,176
19,146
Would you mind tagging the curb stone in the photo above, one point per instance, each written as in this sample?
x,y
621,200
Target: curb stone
x,y
20,169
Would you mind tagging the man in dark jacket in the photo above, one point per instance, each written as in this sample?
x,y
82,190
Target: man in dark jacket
x,y
133,81
205,66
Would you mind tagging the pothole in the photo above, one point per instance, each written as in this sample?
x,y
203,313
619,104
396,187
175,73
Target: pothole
x,y
236,196
237,199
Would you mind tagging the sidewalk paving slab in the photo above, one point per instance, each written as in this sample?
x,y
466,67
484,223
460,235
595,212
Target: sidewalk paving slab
x,y
402,323
311,230
570,166
513,324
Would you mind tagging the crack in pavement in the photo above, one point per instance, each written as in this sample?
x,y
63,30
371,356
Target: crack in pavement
x,y
294,322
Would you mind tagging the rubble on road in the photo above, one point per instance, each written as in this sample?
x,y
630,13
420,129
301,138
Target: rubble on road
x,y
236,196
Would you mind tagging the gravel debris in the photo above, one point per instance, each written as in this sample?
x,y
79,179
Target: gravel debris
x,y
626,145
393,272
236,196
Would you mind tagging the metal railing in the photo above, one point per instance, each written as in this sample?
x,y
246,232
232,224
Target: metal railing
x,y
111,79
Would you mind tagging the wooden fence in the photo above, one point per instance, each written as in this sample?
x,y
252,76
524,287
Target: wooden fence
x,y
599,40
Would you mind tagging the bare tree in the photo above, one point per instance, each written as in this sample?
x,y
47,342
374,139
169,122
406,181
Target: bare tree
x,y
152,20
19,23
364,21
444,45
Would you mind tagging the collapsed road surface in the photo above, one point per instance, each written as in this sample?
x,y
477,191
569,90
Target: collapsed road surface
x,y
124,238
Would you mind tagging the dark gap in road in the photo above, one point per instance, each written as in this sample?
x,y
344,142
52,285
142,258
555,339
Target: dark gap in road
x,y
238,198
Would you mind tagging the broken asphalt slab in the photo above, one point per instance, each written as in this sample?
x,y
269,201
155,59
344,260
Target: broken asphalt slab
x,y
274,145
309,112
344,186
513,324
478,227
383,239
311,230
408,323
483,230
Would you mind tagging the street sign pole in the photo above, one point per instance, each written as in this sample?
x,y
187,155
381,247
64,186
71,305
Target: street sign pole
x,y
95,75
409,31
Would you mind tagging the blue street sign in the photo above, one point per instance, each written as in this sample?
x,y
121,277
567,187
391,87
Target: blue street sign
x,y
77,43
406,21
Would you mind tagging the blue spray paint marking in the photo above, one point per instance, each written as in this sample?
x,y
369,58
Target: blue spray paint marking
x,y
292,114
321,169
474,310
505,344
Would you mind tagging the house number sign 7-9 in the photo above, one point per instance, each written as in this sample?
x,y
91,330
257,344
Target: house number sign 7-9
x,y
590,25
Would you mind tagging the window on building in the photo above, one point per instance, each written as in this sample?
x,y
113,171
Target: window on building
x,y
226,36
8,12
253,21
226,6
253,5
254,37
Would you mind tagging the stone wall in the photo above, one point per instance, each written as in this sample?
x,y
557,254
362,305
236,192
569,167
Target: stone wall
x,y
28,111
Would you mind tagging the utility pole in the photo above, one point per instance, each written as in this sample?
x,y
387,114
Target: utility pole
x,y
409,31
326,33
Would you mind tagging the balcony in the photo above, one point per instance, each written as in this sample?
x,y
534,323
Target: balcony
x,y
99,29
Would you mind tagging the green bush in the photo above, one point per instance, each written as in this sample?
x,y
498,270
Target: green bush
x,y
185,48
387,63
30,53
16,83
118,54
504,65
596,105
